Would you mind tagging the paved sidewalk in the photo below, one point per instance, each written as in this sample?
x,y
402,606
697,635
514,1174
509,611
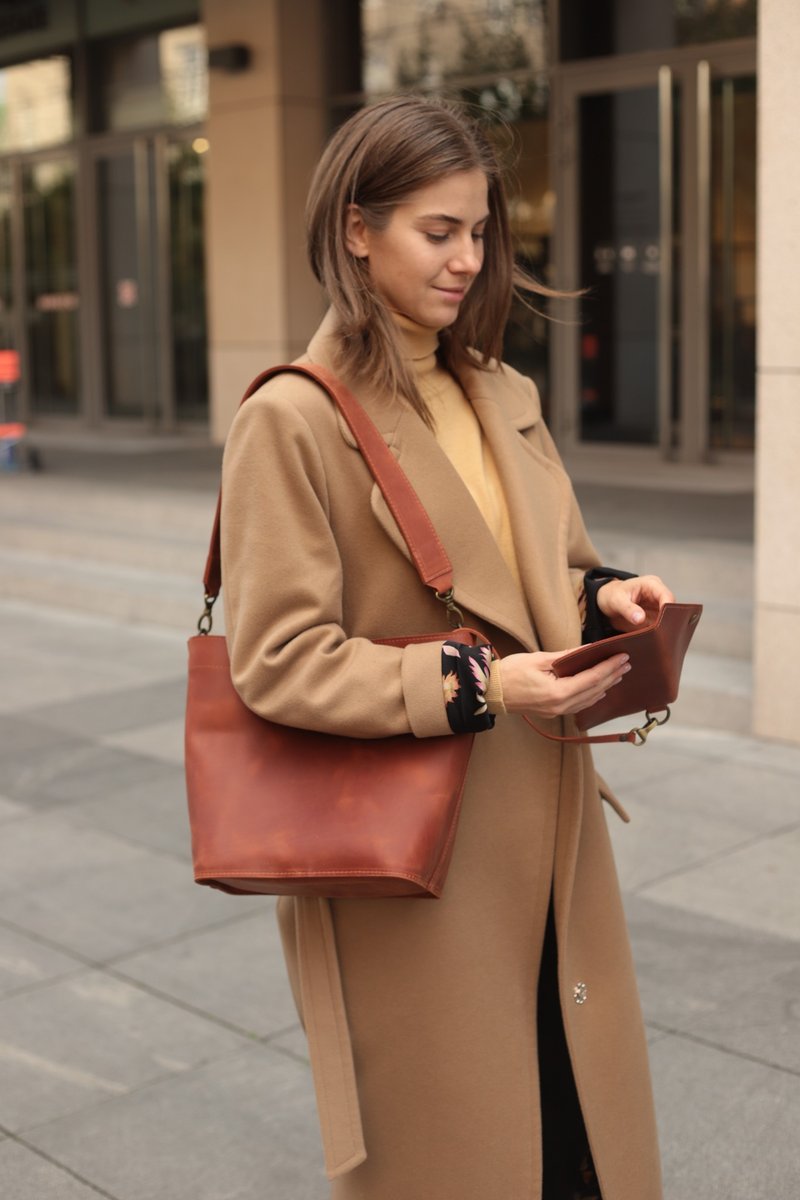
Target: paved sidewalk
x,y
149,1049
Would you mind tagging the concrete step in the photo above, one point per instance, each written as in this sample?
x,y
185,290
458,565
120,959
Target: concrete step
x,y
113,548
134,595
717,574
91,506
716,693
167,551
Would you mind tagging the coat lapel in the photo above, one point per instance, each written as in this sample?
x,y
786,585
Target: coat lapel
x,y
538,496
483,583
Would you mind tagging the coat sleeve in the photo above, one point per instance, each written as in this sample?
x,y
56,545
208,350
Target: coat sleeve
x,y
291,660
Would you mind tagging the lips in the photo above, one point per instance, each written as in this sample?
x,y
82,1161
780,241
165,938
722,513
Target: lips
x,y
455,294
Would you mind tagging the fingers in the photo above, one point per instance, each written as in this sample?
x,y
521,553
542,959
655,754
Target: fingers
x,y
576,692
587,687
531,685
652,591
631,602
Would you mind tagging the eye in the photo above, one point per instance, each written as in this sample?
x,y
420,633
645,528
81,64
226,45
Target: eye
x,y
479,237
438,239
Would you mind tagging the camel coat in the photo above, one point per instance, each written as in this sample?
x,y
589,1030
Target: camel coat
x,y
421,1015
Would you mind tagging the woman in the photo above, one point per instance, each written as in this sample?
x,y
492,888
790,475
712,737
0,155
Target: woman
x,y
476,1046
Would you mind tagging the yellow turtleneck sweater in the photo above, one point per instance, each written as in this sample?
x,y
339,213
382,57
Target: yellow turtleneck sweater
x,y
459,434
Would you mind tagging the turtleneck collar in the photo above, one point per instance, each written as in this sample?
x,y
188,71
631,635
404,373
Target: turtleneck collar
x,y
418,341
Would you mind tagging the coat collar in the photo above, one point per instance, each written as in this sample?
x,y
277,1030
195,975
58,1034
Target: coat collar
x,y
539,498
483,583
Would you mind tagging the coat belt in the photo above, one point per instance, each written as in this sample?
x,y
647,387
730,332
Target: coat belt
x,y
329,1045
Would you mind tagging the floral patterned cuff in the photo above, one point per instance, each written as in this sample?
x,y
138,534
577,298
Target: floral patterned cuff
x,y
465,678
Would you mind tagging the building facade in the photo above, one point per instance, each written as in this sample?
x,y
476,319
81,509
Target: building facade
x,y
154,158
102,108
630,130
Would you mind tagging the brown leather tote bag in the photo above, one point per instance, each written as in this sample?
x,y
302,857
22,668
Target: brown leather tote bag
x,y
280,810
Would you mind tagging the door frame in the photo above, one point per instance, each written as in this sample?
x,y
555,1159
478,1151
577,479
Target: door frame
x,y
150,149
151,152
17,163
692,68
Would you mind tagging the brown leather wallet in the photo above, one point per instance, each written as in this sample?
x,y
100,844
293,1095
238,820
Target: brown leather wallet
x,y
656,655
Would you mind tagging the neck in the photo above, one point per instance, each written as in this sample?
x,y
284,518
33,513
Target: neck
x,y
419,343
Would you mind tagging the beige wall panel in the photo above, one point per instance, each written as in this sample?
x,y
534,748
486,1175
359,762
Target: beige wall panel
x,y
778,491
777,675
266,126
244,234
304,130
779,184
232,370
252,23
776,699
302,53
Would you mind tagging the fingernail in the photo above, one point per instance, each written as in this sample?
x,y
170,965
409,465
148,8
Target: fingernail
x,y
626,668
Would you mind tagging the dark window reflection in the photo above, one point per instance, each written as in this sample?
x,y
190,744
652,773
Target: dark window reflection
x,y
620,264
592,28
187,289
733,263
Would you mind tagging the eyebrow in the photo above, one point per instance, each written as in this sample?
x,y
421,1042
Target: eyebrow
x,y
450,220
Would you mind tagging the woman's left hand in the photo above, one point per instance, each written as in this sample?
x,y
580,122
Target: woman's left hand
x,y
631,603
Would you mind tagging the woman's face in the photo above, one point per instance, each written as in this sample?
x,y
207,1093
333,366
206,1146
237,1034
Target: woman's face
x,y
425,260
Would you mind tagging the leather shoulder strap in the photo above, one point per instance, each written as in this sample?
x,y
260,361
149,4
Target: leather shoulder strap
x,y
426,550
636,737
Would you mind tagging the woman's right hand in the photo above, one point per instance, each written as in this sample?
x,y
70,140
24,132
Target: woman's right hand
x,y
531,685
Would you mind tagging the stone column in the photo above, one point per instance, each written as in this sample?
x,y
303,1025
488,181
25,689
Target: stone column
x,y
776,707
266,126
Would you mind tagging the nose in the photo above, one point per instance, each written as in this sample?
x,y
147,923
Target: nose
x,y
467,257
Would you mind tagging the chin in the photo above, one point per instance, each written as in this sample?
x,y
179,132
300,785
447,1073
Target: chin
x,y
443,320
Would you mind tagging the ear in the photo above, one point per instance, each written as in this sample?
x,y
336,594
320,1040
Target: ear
x,y
356,234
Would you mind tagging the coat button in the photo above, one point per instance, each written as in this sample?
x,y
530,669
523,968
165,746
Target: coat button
x,y
580,994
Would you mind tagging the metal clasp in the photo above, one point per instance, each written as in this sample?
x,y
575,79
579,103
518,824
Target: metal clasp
x,y
453,611
651,723
206,620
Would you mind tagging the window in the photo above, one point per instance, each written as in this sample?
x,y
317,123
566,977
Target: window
x,y
432,45
36,104
591,28
160,79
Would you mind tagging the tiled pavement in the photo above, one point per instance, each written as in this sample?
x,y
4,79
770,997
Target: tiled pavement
x,y
149,1049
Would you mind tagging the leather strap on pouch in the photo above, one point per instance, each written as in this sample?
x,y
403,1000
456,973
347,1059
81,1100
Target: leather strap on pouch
x,y
636,737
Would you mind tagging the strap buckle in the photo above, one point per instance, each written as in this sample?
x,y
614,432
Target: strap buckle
x,y
642,733
453,611
206,619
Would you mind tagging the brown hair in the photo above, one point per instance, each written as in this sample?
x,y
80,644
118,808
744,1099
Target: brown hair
x,y
375,160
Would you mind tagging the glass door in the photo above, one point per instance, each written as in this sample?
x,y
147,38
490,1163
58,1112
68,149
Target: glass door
x,y
185,162
657,223
51,297
126,261
9,356
625,239
149,197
